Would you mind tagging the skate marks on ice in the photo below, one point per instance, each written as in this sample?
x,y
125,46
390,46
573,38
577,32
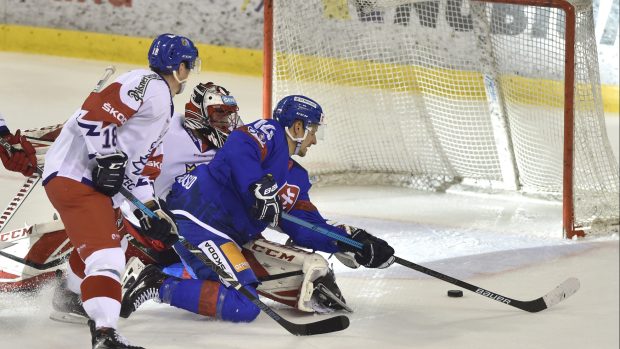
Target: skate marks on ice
x,y
390,312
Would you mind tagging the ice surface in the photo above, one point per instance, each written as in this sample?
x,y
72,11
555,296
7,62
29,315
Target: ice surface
x,y
508,246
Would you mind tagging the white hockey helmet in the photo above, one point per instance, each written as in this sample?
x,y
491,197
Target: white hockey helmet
x,y
213,112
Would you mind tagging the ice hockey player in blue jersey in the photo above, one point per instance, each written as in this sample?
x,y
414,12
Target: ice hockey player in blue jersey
x,y
221,206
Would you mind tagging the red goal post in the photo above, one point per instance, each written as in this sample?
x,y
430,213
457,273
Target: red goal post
x,y
519,78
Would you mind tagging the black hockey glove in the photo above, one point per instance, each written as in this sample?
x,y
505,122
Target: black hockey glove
x,y
376,253
109,173
163,231
267,207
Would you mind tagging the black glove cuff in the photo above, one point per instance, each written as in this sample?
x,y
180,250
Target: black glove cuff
x,y
359,235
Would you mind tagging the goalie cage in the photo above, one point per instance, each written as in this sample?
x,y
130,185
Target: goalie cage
x,y
494,94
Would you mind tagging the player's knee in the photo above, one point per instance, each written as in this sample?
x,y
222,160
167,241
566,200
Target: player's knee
x,y
238,308
108,262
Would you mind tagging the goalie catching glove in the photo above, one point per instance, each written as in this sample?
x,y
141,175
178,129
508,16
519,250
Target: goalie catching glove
x,y
376,253
163,231
18,154
267,207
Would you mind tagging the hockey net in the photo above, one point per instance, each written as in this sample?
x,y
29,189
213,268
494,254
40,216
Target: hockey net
x,y
502,94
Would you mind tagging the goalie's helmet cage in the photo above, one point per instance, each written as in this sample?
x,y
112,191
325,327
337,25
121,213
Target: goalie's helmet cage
x,y
168,51
213,112
297,107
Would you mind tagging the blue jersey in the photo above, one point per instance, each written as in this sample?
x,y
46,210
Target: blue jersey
x,y
296,201
218,193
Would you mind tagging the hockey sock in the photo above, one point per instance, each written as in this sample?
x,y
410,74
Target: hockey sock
x,y
197,296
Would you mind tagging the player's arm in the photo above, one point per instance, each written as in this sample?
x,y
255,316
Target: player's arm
x,y
17,153
102,113
161,233
245,160
376,253
304,237
250,146
296,201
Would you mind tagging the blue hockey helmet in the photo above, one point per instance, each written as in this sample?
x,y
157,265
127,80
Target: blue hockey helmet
x,y
168,51
297,107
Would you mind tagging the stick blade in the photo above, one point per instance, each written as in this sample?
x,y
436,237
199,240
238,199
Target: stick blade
x,y
333,324
6,244
68,318
566,289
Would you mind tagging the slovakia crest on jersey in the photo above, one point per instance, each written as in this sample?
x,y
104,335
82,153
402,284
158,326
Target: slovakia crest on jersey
x,y
288,196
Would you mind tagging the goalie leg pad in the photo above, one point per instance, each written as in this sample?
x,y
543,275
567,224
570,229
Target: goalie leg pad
x,y
287,274
32,255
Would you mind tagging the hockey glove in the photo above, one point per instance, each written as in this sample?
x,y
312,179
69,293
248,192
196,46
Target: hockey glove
x,y
376,253
267,207
161,232
20,155
109,173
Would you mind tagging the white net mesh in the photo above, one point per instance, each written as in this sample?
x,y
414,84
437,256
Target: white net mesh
x,y
427,94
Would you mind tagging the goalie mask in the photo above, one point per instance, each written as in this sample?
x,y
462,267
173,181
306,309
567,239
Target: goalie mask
x,y
212,111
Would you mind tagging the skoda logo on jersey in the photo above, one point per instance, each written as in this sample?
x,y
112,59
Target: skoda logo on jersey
x,y
108,108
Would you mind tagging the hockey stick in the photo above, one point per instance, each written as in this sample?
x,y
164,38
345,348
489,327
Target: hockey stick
x,y
35,265
333,324
566,289
18,199
32,181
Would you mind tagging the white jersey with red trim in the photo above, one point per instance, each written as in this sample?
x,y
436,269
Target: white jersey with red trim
x,y
131,115
184,151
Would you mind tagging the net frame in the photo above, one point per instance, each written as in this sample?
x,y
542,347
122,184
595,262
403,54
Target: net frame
x,y
570,229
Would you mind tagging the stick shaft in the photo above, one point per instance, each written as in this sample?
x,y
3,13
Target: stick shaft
x,y
567,288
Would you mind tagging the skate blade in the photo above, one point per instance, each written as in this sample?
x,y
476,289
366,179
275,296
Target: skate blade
x,y
68,318
333,297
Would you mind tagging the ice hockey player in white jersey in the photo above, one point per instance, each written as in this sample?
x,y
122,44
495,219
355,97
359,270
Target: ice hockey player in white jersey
x,y
193,138
103,146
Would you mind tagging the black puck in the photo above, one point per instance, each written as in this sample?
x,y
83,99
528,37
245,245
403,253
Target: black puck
x,y
455,293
